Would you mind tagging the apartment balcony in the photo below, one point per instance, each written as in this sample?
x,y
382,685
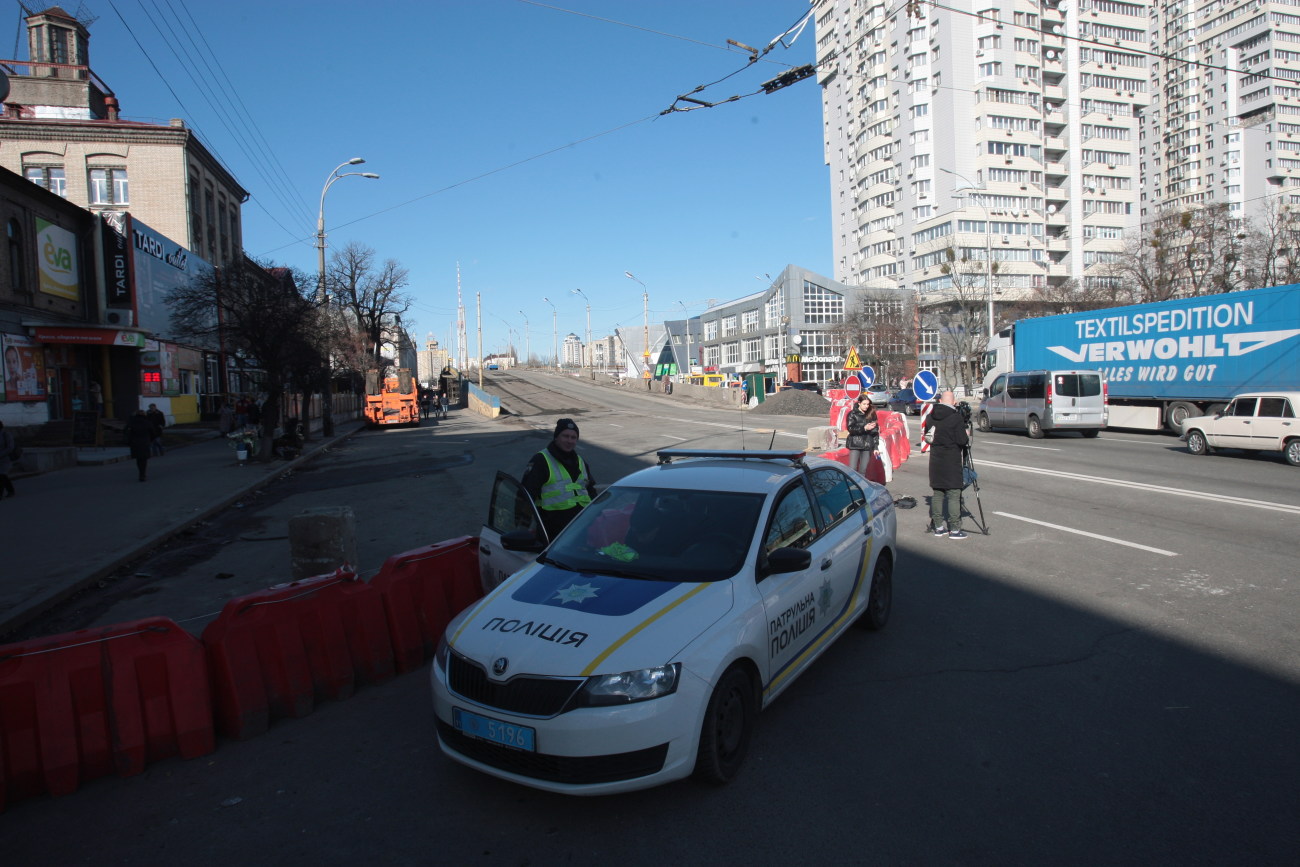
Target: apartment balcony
x,y
1055,143
1054,92
1056,168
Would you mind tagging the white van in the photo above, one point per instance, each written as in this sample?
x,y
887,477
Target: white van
x,y
1039,401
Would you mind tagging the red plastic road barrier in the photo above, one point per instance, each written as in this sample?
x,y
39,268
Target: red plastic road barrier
x,y
274,653
85,704
422,590
875,469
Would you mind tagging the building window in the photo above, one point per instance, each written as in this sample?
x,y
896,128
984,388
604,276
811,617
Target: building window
x,y
749,321
751,349
820,305
108,187
17,266
711,329
49,177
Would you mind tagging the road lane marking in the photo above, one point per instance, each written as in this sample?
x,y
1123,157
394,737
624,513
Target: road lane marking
x,y
1021,446
1089,535
1158,489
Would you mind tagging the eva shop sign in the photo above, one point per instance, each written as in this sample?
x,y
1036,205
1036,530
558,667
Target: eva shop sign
x,y
56,261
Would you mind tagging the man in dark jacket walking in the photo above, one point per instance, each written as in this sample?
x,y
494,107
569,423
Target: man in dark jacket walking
x,y
951,436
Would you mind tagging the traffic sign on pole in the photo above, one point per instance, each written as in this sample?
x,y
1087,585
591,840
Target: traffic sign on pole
x,y
925,385
852,362
852,385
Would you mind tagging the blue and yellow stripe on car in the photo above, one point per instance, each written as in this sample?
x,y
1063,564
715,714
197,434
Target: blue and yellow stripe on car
x,y
631,633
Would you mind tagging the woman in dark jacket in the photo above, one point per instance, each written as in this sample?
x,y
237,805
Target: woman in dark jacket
x,y
950,438
864,434
140,433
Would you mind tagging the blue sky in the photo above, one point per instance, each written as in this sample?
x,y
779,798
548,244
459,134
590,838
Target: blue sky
x,y
517,138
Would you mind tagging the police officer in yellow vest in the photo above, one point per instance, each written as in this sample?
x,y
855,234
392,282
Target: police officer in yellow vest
x,y
559,480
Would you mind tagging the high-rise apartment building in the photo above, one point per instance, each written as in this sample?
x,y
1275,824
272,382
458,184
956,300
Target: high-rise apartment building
x,y
986,148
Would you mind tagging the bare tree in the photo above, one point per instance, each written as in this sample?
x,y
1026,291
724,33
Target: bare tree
x,y
372,296
1271,248
884,331
258,311
963,321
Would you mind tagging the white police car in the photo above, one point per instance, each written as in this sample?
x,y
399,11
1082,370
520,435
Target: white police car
x,y
641,644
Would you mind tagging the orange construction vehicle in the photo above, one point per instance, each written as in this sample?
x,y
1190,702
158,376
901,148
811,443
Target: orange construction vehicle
x,y
395,400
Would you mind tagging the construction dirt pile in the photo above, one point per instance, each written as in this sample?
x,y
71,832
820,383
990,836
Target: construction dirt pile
x,y
793,401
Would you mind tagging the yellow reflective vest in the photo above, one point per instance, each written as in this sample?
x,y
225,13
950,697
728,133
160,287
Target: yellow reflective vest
x,y
560,492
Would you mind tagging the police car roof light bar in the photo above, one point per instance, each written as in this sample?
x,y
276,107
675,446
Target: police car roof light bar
x,y
666,455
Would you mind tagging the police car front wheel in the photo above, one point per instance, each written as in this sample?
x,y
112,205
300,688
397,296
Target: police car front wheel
x,y
728,726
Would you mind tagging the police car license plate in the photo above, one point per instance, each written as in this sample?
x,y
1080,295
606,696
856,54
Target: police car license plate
x,y
494,730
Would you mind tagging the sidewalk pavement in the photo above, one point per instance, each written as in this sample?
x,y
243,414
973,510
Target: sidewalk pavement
x,y
66,530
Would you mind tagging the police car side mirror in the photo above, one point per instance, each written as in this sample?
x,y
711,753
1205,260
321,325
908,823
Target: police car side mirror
x,y
522,540
786,560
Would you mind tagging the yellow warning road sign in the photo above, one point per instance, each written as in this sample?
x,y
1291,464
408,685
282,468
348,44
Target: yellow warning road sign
x,y
853,362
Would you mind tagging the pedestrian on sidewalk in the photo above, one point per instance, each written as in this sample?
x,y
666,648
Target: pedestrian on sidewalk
x,y
139,436
159,422
226,418
7,447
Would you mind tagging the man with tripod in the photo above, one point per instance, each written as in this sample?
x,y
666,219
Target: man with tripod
x,y
951,437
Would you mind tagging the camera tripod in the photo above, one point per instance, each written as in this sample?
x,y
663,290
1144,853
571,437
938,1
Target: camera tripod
x,y
972,480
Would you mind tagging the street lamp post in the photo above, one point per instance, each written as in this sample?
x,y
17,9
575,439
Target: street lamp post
x,y
988,246
527,351
686,377
555,336
327,411
588,300
645,334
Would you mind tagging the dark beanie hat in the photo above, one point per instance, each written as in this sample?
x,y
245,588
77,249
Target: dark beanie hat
x,y
563,425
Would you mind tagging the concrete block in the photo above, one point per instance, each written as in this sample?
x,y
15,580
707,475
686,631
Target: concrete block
x,y
322,540
823,439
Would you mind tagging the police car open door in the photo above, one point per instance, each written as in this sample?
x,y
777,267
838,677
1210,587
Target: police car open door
x,y
511,511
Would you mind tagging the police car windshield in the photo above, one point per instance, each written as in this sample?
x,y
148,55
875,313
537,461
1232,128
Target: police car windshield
x,y
661,535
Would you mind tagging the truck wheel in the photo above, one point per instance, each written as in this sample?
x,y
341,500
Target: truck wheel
x,y
984,425
1179,412
1292,452
1196,443
1035,428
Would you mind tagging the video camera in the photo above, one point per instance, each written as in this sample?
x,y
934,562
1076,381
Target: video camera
x,y
964,409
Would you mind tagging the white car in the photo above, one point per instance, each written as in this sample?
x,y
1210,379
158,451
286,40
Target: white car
x,y
879,393
1259,422
641,644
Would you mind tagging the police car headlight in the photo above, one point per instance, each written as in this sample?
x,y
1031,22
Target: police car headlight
x,y
440,655
604,690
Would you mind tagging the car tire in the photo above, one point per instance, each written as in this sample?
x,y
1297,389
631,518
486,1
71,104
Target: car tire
x,y
728,727
1292,452
1179,412
1089,434
1035,428
983,422
1196,443
881,600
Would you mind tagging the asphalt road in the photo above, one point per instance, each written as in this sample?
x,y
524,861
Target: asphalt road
x,y
1110,676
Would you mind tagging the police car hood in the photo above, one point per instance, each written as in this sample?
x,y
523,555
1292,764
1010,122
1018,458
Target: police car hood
x,y
551,621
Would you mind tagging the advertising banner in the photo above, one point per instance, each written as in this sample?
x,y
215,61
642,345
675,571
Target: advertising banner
x,y
116,271
159,265
24,369
57,261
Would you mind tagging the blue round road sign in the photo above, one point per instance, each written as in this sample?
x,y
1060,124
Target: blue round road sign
x,y
925,386
868,375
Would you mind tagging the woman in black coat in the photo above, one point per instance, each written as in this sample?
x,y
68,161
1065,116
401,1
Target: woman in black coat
x,y
140,434
864,434
950,438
